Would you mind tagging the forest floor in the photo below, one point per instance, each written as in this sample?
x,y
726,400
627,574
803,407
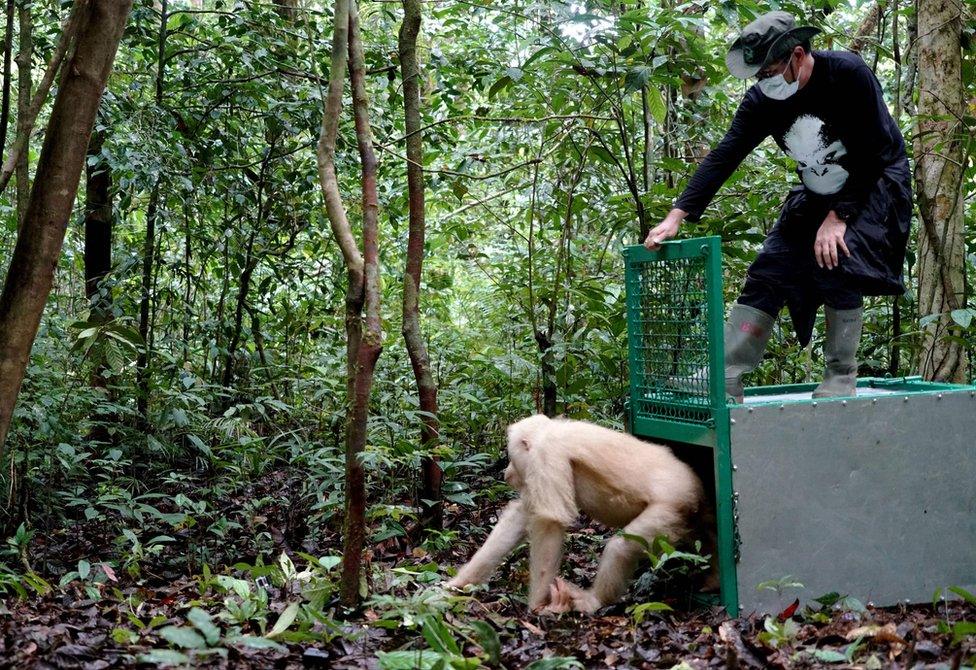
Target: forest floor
x,y
109,619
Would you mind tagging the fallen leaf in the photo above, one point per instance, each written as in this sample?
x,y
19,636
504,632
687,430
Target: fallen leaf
x,y
109,572
789,611
535,630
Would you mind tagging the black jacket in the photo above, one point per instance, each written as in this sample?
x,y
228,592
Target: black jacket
x,y
850,157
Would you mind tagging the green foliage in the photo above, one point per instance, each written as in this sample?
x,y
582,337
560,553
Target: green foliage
x,y
535,145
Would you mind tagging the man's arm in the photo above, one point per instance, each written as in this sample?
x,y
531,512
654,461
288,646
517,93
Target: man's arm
x,y
746,132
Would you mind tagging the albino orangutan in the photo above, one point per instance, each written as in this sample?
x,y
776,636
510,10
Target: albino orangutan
x,y
561,467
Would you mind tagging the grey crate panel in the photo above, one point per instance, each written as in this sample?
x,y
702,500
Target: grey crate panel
x,y
874,497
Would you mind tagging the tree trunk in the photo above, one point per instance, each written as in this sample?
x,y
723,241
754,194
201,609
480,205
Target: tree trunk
x,y
429,495
70,28
362,349
242,290
24,85
98,228
869,26
149,249
8,45
938,182
35,256
372,341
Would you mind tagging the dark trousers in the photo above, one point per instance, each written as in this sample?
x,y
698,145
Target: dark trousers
x,y
786,273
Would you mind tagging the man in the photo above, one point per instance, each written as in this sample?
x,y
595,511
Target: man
x,y
841,234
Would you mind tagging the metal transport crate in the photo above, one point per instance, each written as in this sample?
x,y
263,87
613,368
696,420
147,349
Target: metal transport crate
x,y
872,496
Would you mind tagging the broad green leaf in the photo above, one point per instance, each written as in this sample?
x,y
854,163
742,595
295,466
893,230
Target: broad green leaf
x,y
488,639
636,78
602,154
84,569
829,656
329,562
255,642
655,104
963,630
968,596
164,657
963,317
498,86
409,660
439,637
286,619
182,637
203,623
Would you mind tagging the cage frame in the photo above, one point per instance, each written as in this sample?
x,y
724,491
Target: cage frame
x,y
721,431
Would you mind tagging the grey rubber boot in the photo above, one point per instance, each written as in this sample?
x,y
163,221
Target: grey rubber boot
x,y
746,333
840,351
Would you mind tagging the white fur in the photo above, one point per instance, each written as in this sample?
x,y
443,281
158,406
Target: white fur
x,y
562,467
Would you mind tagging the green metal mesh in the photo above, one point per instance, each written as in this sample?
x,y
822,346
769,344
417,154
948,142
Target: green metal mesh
x,y
669,338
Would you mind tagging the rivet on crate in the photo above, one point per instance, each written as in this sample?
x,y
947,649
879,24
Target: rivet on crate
x,y
938,397
735,468
750,409
844,403
782,407
732,421
906,398
874,401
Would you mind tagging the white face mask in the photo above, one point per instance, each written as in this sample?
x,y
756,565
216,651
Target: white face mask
x,y
777,87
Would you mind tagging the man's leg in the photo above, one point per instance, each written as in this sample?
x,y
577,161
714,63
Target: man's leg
x,y
747,331
844,314
768,282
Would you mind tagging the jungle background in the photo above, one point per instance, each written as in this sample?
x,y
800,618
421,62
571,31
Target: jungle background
x,y
222,354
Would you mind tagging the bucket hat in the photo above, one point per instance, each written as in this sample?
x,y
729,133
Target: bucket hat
x,y
766,40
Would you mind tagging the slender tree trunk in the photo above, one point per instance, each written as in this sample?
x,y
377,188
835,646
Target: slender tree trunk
x,y
149,250
187,273
938,182
429,495
362,348
648,123
895,359
35,256
8,46
145,301
242,290
250,263
372,342
68,33
24,85
98,227
868,28
98,260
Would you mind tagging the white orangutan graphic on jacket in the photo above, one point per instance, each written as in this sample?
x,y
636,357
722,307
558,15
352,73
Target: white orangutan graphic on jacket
x,y
816,153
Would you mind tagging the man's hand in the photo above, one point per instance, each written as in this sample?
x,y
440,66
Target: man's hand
x,y
665,230
830,239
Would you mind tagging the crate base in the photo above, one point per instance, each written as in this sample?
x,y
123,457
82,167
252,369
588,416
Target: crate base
x,y
871,496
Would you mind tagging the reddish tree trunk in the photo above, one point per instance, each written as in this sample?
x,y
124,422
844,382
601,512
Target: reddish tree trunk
x,y
429,495
362,348
372,341
38,248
